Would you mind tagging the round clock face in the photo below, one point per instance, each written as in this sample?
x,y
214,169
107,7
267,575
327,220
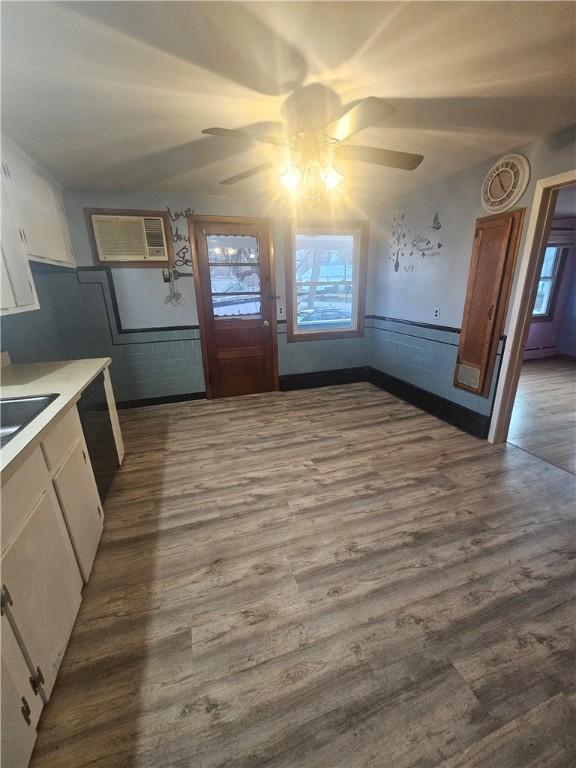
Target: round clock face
x,y
505,183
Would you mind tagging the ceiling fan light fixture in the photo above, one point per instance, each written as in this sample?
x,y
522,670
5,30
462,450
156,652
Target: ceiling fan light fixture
x,y
331,177
290,179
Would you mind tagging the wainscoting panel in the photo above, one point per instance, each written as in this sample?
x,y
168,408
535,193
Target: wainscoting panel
x,y
424,356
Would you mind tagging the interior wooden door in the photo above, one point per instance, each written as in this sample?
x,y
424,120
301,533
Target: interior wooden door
x,y
494,251
236,305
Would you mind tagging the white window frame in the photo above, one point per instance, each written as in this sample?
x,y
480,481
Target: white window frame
x,y
360,234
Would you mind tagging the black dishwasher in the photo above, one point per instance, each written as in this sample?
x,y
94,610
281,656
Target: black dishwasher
x,y
97,427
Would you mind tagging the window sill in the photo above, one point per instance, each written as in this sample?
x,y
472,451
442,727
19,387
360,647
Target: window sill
x,y
324,335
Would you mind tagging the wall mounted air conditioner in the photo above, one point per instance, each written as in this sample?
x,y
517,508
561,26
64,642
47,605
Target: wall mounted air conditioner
x,y
130,238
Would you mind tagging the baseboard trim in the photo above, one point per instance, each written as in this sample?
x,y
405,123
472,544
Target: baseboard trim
x,y
323,378
468,421
147,401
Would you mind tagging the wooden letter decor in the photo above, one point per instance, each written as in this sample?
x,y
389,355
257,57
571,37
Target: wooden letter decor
x,y
496,241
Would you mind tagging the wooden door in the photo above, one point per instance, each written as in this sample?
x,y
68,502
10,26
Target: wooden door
x,y
78,496
494,251
41,573
236,304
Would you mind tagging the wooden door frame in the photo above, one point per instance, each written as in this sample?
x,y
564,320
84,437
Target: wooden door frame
x,y
528,272
266,226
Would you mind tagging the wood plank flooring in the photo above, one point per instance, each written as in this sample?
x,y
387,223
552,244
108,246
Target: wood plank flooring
x,y
544,416
327,578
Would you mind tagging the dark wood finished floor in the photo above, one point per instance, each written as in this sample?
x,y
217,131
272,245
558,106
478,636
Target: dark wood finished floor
x,y
544,415
327,578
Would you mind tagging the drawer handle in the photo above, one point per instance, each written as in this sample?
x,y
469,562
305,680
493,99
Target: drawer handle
x,y
25,709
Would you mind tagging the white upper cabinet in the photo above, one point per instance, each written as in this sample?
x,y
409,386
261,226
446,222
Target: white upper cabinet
x,y
38,206
17,287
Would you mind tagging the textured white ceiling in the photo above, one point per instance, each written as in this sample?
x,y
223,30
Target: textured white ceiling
x,y
115,94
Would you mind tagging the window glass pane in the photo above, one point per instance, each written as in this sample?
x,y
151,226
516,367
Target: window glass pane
x,y
233,305
549,262
542,303
232,248
325,272
324,258
324,307
235,278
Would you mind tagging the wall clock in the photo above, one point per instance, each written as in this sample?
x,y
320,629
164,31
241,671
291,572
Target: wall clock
x,y
505,183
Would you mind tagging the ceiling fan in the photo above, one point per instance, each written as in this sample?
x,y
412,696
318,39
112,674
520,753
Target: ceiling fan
x,y
314,144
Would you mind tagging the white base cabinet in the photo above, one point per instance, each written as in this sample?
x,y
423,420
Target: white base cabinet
x,y
40,571
52,522
76,489
21,703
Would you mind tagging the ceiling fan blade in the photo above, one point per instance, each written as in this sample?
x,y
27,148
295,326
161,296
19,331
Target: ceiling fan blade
x,y
361,115
238,134
246,174
406,161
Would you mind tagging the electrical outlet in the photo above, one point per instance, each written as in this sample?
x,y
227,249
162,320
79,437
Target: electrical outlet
x,y
436,313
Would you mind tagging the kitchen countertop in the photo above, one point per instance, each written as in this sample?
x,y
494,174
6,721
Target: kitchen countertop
x,y
67,378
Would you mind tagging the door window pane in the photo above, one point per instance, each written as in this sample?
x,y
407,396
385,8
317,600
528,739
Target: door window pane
x,y
235,278
235,249
233,305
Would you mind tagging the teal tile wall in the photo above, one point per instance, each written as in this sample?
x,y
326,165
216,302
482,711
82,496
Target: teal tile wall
x,y
77,319
424,357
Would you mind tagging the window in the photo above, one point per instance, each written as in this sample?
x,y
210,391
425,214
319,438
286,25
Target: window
x,y
326,280
547,282
234,266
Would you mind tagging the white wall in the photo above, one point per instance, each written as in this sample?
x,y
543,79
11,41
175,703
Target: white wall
x,y
410,294
141,292
440,281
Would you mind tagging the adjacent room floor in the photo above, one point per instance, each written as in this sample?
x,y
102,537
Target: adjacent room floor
x,y
544,416
327,578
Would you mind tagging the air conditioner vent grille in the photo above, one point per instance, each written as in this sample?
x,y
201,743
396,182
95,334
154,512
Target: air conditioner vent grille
x,y
468,375
154,233
129,238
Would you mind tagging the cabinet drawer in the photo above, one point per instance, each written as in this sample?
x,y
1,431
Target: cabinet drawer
x,y
20,493
59,441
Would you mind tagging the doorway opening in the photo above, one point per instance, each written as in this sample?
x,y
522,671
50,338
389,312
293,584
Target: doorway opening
x,y
543,419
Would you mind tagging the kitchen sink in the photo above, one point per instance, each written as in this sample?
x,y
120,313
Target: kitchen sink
x,y
17,412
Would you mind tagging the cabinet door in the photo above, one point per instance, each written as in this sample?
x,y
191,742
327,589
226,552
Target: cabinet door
x,y
78,496
38,209
8,300
496,242
40,570
21,706
17,286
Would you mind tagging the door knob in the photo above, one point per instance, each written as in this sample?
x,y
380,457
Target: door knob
x,y
265,324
